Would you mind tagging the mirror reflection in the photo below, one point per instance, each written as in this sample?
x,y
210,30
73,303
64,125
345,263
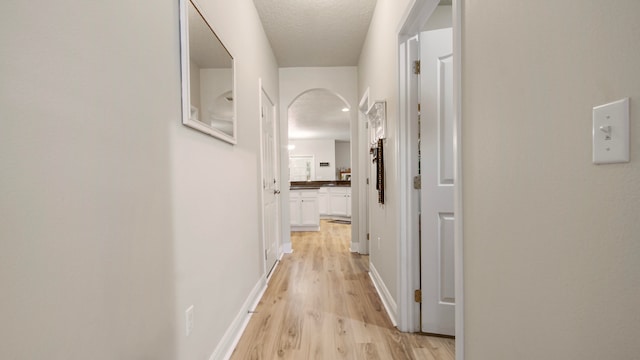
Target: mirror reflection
x,y
209,102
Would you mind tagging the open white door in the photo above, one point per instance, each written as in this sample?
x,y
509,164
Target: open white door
x,y
270,182
437,174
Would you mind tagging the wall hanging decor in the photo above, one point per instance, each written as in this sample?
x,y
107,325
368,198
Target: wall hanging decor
x,y
377,116
377,152
208,76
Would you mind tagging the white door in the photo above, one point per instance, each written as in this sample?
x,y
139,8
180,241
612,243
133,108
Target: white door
x,y
270,183
436,159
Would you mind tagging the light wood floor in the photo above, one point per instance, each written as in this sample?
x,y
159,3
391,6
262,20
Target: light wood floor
x,y
321,304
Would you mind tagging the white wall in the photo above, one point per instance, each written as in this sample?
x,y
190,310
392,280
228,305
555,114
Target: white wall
x,y
115,217
322,151
552,241
342,81
441,18
378,69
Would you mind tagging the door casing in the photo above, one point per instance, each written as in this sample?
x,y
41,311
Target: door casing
x,y
267,268
417,13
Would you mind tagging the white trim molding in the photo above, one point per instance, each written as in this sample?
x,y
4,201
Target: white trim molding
x,y
228,343
285,248
457,156
363,189
387,300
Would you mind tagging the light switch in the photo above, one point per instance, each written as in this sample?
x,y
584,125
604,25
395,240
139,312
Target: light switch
x,y
611,132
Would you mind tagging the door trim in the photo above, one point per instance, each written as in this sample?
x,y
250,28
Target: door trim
x,y
363,155
418,11
278,231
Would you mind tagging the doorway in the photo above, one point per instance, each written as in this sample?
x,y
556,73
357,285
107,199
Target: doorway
x,y
423,169
319,157
270,182
435,164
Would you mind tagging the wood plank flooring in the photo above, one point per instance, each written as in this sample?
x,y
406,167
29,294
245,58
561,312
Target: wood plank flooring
x,y
320,304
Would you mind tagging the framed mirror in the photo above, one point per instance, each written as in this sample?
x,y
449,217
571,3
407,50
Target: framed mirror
x,y
208,76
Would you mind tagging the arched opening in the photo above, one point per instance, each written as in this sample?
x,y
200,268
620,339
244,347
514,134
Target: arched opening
x,y
320,126
319,143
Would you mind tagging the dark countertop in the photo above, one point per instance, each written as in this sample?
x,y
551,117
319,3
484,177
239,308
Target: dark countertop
x,y
301,185
304,187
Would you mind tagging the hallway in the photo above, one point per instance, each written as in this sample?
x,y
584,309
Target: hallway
x,y
321,304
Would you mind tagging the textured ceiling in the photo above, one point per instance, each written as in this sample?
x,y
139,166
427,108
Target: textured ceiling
x,y
316,32
318,114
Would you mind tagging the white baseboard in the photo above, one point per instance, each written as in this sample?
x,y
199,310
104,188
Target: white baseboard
x,y
231,337
305,228
275,266
354,247
385,295
286,248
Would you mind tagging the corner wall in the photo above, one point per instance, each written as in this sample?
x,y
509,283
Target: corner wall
x,y
552,241
217,191
114,216
322,151
378,71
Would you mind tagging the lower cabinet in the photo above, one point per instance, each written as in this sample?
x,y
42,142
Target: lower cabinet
x,y
323,201
303,205
340,201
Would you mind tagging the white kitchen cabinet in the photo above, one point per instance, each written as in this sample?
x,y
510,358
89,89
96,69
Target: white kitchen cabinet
x,y
340,201
294,208
323,201
304,212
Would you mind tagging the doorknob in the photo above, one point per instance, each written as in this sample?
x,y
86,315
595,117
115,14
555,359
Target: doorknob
x,y
276,192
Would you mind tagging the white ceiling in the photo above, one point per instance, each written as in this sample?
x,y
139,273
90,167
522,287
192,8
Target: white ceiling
x,y
316,32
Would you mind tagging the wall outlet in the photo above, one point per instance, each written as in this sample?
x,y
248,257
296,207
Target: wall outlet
x,y
189,320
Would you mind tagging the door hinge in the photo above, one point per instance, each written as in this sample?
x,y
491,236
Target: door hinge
x,y
417,296
416,67
367,181
418,107
367,236
265,254
417,182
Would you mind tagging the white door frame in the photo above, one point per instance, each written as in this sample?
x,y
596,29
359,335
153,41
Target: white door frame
x,y
261,91
416,15
363,158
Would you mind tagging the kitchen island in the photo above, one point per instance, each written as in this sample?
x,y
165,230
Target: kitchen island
x,y
310,200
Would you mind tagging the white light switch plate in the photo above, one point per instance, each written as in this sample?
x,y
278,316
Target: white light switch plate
x,y
189,320
611,132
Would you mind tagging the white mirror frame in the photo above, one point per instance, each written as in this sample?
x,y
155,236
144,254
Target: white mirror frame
x,y
187,109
